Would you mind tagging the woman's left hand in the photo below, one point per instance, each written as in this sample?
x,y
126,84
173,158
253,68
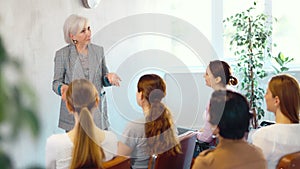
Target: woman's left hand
x,y
113,79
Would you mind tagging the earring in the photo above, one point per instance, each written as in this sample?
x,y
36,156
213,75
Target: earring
x,y
75,41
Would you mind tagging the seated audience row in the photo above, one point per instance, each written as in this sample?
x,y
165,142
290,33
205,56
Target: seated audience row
x,y
88,146
228,118
282,98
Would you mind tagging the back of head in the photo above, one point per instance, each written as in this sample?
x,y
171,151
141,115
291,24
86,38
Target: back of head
x,y
222,69
72,25
286,88
159,123
230,112
153,87
81,93
82,97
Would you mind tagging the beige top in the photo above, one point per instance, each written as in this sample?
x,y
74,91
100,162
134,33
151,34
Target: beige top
x,y
231,154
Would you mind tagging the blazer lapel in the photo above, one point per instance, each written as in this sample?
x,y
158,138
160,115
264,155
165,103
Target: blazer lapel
x,y
93,62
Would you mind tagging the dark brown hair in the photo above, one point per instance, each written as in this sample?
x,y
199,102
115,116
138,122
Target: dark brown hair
x,y
230,112
222,69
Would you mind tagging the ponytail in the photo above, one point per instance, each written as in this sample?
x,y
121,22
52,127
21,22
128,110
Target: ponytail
x,y
160,132
159,127
86,152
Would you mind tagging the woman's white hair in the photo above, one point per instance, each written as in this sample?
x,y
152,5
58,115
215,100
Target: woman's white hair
x,y
73,24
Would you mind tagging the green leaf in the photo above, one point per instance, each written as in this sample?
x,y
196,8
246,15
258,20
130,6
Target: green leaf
x,y
281,56
3,54
32,121
5,161
283,69
276,70
278,60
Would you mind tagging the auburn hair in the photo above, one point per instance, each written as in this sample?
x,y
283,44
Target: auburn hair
x,y
159,126
286,88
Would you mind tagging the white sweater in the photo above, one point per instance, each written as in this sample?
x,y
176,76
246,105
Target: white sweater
x,y
277,140
59,150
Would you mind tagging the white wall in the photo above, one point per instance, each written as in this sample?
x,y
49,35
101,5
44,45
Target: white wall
x,y
32,32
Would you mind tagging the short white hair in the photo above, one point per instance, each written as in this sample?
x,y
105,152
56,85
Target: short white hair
x,y
73,24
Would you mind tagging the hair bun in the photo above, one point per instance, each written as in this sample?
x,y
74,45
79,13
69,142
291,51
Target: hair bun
x,y
233,80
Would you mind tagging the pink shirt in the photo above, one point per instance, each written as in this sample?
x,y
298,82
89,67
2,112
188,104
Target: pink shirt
x,y
207,133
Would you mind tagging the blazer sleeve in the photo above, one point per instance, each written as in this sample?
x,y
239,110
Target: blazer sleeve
x,y
105,81
59,71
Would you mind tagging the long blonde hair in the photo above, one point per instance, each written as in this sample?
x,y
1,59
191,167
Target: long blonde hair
x,y
82,97
159,126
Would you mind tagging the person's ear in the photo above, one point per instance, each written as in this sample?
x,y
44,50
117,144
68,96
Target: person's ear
x,y
218,79
97,101
72,36
141,95
277,101
69,107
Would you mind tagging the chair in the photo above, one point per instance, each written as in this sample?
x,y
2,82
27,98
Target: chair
x,y
178,161
118,162
289,161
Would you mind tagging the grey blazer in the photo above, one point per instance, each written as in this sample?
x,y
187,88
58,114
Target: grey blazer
x,y
67,67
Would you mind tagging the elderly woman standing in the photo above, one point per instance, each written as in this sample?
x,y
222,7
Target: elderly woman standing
x,y
81,59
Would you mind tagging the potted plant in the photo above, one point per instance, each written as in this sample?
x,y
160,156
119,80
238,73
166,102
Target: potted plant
x,y
17,106
250,42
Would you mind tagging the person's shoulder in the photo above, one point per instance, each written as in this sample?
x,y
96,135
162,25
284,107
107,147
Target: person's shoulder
x,y
64,48
209,153
205,158
110,135
136,125
56,139
255,149
134,128
64,51
267,128
56,142
266,132
94,46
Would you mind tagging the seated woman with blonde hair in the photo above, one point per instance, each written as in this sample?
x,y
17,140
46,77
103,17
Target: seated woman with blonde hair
x,y
283,99
85,146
